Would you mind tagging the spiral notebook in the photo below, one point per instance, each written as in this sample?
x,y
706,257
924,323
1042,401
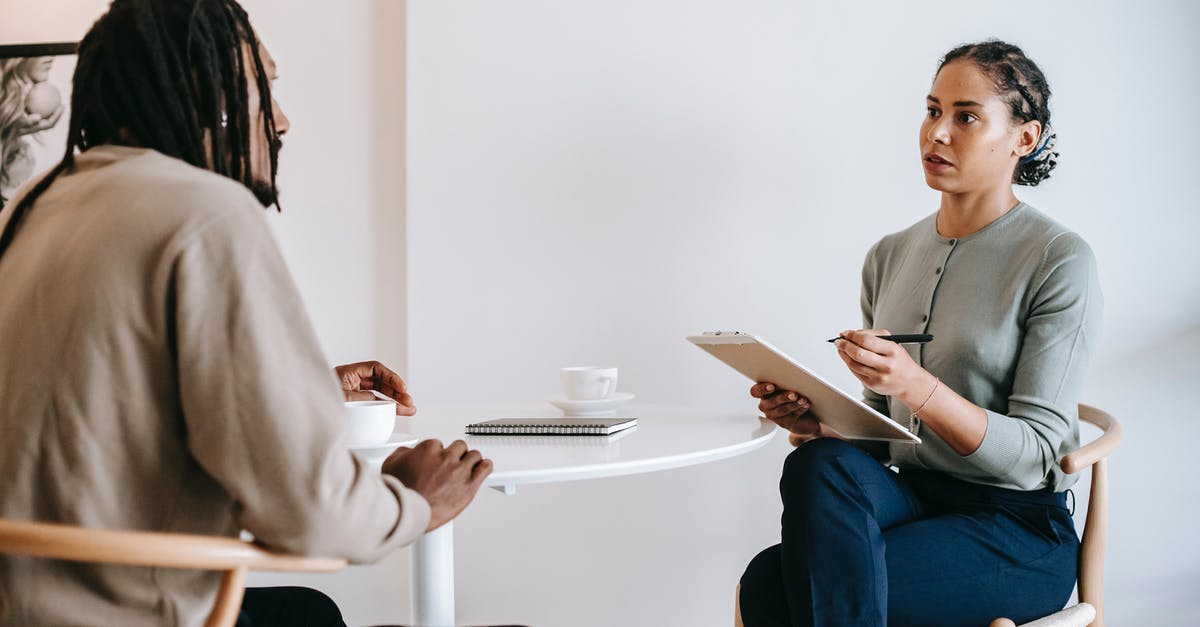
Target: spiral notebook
x,y
551,426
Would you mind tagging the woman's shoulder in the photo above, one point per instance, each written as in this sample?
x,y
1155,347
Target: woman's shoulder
x,y
889,244
1056,255
1055,240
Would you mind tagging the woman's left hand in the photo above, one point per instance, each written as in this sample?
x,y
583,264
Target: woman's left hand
x,y
883,366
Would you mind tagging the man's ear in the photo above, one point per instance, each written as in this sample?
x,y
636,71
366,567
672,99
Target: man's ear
x,y
1028,135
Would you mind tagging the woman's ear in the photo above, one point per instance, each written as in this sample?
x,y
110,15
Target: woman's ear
x,y
1028,136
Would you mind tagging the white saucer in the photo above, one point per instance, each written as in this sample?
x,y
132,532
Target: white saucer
x,y
592,409
375,451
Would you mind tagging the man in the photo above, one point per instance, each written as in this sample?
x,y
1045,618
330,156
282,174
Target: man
x,y
158,370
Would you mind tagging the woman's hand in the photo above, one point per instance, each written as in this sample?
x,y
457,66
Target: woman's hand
x,y
786,409
883,366
358,379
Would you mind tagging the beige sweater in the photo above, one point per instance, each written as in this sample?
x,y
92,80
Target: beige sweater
x,y
158,372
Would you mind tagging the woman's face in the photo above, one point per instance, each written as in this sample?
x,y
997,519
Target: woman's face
x,y
968,140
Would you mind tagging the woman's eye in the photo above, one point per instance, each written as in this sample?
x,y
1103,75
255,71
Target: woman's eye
x,y
966,118
933,113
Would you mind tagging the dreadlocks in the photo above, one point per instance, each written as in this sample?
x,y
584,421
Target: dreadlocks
x,y
167,75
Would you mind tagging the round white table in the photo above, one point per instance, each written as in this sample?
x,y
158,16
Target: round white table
x,y
666,437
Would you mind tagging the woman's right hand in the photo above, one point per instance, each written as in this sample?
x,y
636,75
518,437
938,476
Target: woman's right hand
x,y
787,409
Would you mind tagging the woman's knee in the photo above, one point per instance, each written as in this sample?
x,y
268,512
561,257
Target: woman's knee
x,y
765,567
288,605
761,598
816,455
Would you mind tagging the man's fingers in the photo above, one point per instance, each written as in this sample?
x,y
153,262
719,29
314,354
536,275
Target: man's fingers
x,y
427,445
472,457
481,470
457,450
400,452
386,377
405,406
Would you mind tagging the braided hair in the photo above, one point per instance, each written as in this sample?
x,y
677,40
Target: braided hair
x,y
167,75
1021,84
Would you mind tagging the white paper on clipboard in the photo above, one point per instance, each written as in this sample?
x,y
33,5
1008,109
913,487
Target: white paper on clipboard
x,y
759,361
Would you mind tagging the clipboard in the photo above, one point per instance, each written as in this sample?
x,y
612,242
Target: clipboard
x,y
759,361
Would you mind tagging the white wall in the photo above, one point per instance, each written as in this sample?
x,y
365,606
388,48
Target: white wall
x,y
591,181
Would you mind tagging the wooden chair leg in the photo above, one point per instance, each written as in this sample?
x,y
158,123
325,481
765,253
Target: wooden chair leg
x,y
229,599
1095,538
737,606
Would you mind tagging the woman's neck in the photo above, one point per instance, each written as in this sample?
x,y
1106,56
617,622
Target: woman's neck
x,y
965,213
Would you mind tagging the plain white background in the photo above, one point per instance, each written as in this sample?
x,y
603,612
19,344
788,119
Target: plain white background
x,y
588,182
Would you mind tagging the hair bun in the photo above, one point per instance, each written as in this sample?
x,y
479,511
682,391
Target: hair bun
x,y
1037,165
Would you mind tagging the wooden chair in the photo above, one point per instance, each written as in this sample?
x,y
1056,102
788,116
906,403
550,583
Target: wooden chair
x,y
1090,610
169,550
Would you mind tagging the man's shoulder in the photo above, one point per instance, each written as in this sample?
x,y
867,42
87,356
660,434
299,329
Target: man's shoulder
x,y
156,196
171,183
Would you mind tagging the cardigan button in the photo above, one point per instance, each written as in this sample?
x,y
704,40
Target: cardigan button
x,y
925,318
938,271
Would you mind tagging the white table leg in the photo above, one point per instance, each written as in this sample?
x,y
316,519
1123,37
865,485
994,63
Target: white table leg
x,y
433,578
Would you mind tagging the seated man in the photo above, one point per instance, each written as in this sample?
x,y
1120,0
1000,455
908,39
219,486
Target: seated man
x,y
159,372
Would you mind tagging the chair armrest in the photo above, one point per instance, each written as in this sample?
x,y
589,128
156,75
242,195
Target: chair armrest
x,y
144,548
1097,449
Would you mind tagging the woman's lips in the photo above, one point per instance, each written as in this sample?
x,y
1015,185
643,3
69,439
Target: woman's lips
x,y
935,164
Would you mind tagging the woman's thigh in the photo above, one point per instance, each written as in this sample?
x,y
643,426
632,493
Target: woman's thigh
x,y
827,475
970,568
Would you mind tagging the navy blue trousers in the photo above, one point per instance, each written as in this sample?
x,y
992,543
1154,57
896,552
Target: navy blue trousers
x,y
862,545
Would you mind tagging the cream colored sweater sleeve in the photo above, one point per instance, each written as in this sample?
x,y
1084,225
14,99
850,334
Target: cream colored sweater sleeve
x,y
261,405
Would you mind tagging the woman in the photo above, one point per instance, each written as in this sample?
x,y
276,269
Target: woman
x,y
975,524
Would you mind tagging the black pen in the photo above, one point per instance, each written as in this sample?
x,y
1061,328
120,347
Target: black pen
x,y
915,338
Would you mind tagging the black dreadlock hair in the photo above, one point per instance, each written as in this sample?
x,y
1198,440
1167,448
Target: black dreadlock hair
x,y
166,74
1023,86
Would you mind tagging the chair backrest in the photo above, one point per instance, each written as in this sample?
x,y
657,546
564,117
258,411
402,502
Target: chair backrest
x,y
170,550
1095,526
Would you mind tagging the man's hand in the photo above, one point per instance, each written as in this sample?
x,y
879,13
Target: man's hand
x,y
358,379
447,477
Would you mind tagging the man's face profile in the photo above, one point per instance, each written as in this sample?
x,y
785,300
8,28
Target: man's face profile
x,y
260,149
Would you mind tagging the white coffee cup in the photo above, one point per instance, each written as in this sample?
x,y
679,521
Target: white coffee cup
x,y
369,423
588,383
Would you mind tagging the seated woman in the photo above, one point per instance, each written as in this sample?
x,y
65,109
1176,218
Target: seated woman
x,y
975,524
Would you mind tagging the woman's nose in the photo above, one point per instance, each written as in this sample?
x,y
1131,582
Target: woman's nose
x,y
939,131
